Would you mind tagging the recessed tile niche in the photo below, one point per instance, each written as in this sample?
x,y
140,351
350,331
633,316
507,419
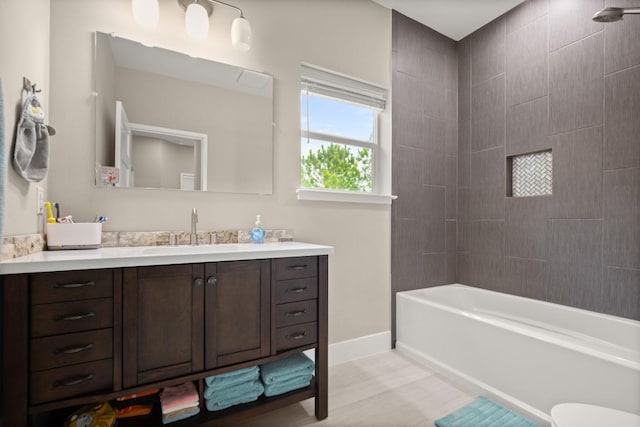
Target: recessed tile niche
x,y
530,174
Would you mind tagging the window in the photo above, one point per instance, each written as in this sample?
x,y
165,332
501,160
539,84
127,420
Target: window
x,y
339,138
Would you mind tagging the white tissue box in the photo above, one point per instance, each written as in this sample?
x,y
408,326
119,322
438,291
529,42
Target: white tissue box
x,y
80,235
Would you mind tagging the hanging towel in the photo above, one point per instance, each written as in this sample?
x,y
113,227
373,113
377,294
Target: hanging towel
x,y
31,148
284,369
291,384
3,166
234,377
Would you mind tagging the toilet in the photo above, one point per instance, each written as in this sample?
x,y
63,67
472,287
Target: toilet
x,y
581,415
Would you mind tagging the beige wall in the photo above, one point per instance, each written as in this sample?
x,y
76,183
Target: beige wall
x,y
24,51
351,37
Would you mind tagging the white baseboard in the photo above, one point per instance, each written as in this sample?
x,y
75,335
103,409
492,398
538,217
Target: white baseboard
x,y
357,348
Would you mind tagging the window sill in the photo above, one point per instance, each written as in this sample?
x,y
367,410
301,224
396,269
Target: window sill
x,y
344,196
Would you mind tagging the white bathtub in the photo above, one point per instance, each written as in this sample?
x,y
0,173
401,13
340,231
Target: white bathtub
x,y
528,354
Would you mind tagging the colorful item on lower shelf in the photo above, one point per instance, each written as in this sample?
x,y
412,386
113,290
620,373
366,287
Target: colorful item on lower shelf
x,y
135,404
282,370
95,415
179,402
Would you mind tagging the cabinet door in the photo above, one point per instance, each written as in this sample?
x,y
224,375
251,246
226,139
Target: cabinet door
x,y
162,320
237,312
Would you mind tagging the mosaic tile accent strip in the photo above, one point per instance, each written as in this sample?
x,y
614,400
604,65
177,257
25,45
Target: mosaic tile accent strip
x,y
532,174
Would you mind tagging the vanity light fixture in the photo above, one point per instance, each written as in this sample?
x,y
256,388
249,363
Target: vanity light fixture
x,y
146,12
197,22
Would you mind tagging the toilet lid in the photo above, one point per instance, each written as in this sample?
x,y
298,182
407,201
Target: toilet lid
x,y
581,415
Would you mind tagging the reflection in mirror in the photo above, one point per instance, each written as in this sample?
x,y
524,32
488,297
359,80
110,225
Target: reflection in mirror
x,y
167,120
140,147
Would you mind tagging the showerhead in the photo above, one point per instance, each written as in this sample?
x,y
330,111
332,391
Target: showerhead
x,y
613,14
609,14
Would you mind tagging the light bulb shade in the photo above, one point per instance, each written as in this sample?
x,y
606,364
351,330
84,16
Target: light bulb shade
x,y
241,34
146,12
196,21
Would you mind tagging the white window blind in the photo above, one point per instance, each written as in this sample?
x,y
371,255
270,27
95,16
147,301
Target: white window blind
x,y
328,83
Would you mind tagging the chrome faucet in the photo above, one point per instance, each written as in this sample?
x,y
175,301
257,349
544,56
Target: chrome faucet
x,y
193,239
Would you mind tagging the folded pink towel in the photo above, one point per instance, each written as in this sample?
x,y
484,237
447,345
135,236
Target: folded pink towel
x,y
178,397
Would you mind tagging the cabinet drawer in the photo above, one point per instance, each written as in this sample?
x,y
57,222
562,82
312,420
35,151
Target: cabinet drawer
x,y
60,383
62,318
296,336
295,313
296,290
70,349
71,286
296,268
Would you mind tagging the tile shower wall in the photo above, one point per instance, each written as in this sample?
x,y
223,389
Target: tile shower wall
x,y
546,76
425,157
543,76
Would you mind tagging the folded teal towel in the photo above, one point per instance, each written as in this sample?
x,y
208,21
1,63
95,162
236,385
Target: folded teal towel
x,y
225,383
233,377
291,384
220,401
482,412
231,391
282,370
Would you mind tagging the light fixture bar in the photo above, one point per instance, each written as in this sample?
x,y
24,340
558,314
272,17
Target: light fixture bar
x,y
207,5
197,23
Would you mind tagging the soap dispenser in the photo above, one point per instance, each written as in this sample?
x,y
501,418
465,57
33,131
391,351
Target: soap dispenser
x,y
257,232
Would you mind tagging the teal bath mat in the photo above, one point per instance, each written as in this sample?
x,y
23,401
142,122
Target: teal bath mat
x,y
484,413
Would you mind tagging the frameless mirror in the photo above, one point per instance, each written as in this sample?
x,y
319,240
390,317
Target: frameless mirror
x,y
168,120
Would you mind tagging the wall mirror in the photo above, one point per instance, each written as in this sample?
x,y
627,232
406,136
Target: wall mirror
x,y
168,120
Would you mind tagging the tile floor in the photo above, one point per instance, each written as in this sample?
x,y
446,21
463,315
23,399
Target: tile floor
x,y
385,390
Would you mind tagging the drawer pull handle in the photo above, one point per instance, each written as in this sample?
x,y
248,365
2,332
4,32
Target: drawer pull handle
x,y
73,317
297,336
297,313
73,381
298,267
296,290
74,285
73,350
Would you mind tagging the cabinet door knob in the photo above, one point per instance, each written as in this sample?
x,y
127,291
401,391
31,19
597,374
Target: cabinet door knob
x,y
212,280
199,281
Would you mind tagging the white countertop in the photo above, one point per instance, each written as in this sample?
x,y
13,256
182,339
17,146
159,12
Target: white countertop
x,y
155,255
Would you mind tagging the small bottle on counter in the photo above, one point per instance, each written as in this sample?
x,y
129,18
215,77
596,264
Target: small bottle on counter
x,y
257,232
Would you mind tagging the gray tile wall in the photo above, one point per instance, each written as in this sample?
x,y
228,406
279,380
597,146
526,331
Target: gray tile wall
x,y
425,157
546,76
543,76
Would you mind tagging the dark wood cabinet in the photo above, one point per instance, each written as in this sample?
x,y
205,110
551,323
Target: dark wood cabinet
x,y
163,308
76,337
237,312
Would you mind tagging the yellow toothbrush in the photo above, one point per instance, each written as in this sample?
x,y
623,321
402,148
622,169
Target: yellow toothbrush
x,y
50,218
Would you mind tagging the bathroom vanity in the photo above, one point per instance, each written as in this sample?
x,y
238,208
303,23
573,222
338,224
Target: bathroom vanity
x,y
88,326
